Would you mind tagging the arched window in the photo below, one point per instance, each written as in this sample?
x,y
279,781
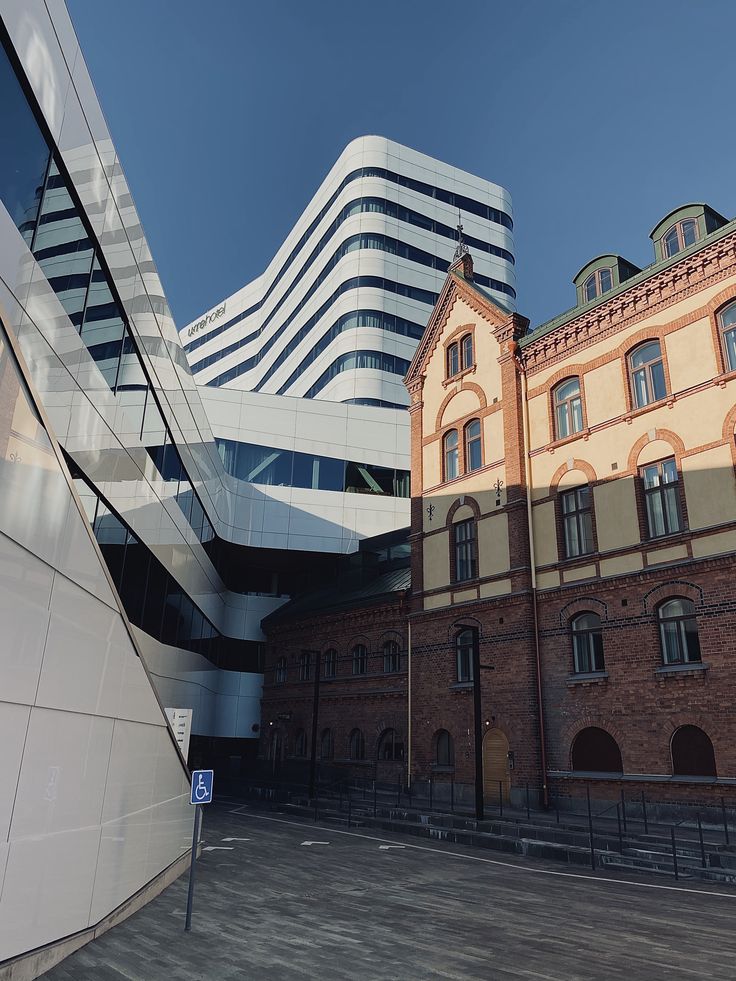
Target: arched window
x,y
391,657
467,351
678,631
473,446
357,745
587,643
596,750
727,321
464,654
646,371
300,743
577,521
598,283
453,360
280,674
450,449
390,747
445,749
680,236
692,753
568,408
305,666
464,544
360,659
330,663
325,745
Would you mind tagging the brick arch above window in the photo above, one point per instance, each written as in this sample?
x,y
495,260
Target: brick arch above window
x,y
463,623
715,308
584,604
465,386
464,501
729,431
599,722
359,639
671,590
581,465
666,435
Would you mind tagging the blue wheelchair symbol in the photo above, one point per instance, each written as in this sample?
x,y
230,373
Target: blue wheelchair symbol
x,y
202,781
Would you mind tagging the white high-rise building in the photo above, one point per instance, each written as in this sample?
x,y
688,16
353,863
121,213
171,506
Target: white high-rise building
x,y
339,310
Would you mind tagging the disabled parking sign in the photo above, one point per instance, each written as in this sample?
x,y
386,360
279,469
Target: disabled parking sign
x,y
201,787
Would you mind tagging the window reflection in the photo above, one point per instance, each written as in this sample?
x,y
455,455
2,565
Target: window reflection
x,y
271,466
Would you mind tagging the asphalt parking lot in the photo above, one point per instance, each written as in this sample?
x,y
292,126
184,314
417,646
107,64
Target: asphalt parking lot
x,y
279,898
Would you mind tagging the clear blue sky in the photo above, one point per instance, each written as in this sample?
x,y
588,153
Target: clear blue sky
x,y
598,117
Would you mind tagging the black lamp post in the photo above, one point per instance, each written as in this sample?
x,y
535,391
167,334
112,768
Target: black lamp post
x,y
477,717
315,719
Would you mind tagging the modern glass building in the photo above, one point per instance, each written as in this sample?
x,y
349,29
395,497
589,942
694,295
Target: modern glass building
x,y
339,311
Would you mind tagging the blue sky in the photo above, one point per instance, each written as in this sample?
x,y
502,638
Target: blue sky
x,y
598,117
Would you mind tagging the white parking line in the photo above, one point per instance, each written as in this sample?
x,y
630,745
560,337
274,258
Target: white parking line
x,y
492,861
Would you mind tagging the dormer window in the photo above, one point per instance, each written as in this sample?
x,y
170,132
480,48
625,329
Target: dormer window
x,y
680,236
598,283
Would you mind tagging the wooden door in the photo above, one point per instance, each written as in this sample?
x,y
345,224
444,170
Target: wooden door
x,y
496,766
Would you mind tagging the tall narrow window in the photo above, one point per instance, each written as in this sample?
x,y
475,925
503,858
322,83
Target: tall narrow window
x,y
678,631
451,457
587,643
330,663
568,408
305,666
445,749
326,745
360,659
647,374
467,351
680,236
473,446
300,744
453,360
727,320
280,671
662,498
464,655
577,518
466,563
391,657
357,745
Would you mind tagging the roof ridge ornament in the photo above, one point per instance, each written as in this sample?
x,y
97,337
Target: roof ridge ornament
x,y
461,248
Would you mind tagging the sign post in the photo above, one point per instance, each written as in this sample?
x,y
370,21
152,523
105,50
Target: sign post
x,y
200,793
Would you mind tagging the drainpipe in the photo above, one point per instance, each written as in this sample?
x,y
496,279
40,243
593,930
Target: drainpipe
x,y
408,705
533,564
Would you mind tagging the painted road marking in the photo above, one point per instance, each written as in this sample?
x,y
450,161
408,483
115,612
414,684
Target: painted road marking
x,y
506,865
236,839
315,842
217,848
386,847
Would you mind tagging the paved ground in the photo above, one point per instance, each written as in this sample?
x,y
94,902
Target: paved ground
x,y
302,901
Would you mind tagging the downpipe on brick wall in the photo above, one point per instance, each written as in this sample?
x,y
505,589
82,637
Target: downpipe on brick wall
x,y
533,566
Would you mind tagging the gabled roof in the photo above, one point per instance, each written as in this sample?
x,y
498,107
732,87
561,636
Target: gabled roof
x,y
456,285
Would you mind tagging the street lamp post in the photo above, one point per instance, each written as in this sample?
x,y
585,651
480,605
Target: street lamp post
x,y
315,719
478,726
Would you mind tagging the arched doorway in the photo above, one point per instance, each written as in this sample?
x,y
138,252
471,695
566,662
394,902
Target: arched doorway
x,y
496,769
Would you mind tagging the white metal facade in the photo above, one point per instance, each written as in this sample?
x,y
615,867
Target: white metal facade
x,y
338,312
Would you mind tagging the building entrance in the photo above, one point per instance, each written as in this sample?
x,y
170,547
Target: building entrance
x,y
496,772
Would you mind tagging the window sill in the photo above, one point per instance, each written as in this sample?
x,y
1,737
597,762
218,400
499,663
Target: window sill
x,y
462,686
557,443
688,668
590,677
634,413
458,376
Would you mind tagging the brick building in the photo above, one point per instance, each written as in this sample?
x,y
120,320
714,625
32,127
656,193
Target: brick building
x,y
574,524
